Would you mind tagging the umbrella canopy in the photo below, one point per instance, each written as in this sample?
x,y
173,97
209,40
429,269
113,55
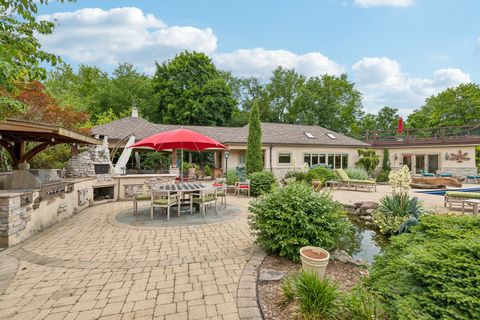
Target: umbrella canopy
x,y
179,139
400,125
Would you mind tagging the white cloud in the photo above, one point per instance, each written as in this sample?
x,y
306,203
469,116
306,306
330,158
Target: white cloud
x,y
260,62
381,3
121,34
382,82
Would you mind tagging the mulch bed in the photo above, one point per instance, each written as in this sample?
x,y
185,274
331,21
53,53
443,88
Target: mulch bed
x,y
270,293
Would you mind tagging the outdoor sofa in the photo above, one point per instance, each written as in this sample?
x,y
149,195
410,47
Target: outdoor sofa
x,y
345,181
452,197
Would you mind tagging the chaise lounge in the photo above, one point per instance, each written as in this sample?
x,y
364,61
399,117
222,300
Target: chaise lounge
x,y
475,178
452,197
354,183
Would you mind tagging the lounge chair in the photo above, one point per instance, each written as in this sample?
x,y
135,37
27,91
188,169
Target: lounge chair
x,y
354,183
446,174
474,177
426,174
452,197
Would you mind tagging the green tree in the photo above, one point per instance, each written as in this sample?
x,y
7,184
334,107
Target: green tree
x,y
282,90
452,107
369,159
329,101
190,90
254,144
21,57
387,119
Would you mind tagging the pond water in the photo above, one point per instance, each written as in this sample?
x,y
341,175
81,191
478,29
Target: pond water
x,y
368,243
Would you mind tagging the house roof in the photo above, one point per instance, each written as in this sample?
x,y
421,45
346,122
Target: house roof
x,y
272,133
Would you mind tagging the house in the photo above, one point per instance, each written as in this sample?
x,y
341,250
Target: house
x,y
290,146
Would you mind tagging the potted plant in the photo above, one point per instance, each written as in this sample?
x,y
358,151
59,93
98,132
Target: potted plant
x,y
314,259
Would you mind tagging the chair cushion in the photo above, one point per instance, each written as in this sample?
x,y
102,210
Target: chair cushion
x,y
343,175
473,177
217,185
446,175
164,201
206,199
243,187
221,194
142,196
362,181
466,195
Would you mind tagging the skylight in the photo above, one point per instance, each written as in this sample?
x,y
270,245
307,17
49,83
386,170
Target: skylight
x,y
331,136
309,135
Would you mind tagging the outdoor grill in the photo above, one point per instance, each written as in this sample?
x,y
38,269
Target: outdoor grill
x,y
47,180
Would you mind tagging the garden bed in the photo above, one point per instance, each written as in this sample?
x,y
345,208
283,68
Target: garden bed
x,y
346,275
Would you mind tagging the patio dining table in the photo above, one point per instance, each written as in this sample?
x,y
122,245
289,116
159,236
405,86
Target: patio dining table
x,y
182,189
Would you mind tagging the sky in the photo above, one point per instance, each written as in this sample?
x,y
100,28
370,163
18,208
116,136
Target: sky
x,y
398,52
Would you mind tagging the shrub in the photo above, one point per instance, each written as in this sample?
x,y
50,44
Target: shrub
x,y
254,141
320,173
241,173
55,157
155,160
361,304
400,180
383,176
261,182
295,216
232,177
316,297
207,171
298,175
357,173
433,271
395,210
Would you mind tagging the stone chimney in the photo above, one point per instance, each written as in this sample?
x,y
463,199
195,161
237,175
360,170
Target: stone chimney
x,y
134,112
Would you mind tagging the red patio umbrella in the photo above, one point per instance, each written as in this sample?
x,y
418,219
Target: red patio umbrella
x,y
400,125
179,139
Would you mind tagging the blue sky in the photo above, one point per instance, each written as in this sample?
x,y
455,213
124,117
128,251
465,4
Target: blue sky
x,y
398,52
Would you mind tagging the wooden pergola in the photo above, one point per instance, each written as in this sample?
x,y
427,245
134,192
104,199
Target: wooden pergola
x,y
14,135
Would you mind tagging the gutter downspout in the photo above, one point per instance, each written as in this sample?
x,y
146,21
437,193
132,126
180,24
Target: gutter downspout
x,y
271,167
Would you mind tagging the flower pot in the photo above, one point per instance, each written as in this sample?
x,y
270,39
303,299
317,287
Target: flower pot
x,y
317,184
314,259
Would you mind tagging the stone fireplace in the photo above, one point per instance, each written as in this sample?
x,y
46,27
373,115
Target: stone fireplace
x,y
103,193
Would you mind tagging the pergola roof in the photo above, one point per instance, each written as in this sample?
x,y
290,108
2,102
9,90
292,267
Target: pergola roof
x,y
16,133
20,130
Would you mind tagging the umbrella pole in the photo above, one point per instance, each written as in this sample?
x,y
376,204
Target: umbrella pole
x,y
181,166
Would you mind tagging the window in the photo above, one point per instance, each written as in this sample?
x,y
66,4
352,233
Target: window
x,y
322,159
284,158
331,161
331,136
314,159
338,161
241,158
309,135
307,160
344,161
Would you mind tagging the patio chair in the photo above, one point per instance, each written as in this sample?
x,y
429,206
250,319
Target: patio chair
x,y
221,185
446,174
163,199
242,186
344,180
205,197
426,174
453,197
474,177
138,196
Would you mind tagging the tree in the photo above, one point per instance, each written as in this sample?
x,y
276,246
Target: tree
x,y
20,53
451,107
369,160
282,91
42,107
328,101
387,119
254,143
190,90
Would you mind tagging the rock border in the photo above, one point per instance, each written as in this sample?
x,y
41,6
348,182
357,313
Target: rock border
x,y
247,298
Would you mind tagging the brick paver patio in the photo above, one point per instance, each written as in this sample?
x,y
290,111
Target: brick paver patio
x,y
92,267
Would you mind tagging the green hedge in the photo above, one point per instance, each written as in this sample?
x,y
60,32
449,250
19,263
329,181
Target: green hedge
x,y
294,216
432,272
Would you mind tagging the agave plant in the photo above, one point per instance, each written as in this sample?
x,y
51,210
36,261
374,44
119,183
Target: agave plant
x,y
397,213
357,173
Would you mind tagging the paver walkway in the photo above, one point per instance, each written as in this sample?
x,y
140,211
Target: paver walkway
x,y
92,267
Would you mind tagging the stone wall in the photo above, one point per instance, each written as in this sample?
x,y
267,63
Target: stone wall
x,y
83,164
461,172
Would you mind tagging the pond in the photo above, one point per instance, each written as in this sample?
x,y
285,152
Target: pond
x,y
368,242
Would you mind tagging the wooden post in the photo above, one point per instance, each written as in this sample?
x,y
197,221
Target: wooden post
x,y
174,158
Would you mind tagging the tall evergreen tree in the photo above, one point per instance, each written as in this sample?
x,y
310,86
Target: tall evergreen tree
x,y
254,143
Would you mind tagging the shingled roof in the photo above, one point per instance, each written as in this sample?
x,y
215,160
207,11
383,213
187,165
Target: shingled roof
x,y
272,133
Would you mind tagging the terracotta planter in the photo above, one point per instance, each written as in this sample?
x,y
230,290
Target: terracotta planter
x,y
314,259
317,184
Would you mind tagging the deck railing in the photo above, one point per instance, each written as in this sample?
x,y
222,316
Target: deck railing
x,y
441,135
